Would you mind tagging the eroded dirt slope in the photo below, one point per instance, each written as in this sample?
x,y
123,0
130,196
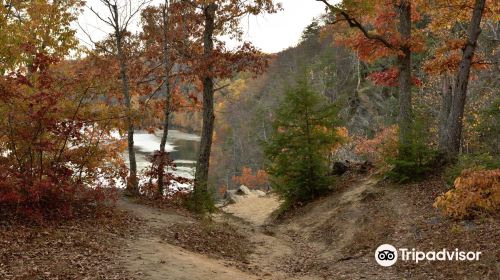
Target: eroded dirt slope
x,y
335,237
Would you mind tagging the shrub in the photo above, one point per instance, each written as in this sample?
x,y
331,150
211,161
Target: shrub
x,y
201,201
475,191
381,148
471,161
54,159
414,159
401,163
171,182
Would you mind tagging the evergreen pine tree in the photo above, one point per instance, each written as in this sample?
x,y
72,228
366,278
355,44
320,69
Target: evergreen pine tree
x,y
298,152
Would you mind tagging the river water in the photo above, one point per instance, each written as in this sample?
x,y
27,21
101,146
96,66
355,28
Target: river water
x,y
183,149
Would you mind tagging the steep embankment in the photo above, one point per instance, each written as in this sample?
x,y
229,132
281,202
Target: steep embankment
x,y
335,237
317,241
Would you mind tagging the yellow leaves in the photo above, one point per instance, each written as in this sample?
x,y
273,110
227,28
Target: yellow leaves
x,y
475,190
444,17
42,24
445,14
342,133
237,87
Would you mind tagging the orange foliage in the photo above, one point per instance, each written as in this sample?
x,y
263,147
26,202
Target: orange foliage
x,y
475,190
342,133
258,180
382,147
444,15
448,56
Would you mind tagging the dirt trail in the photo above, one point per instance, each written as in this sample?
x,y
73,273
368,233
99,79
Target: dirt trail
x,y
148,257
300,247
251,214
319,243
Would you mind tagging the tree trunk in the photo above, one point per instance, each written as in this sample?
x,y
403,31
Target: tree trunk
x,y
404,65
454,125
202,166
444,112
132,184
168,96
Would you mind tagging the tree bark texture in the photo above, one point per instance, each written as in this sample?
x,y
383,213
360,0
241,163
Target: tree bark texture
x,y
404,82
132,184
202,166
168,96
454,124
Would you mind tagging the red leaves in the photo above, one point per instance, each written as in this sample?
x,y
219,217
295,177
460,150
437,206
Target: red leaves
x,y
223,63
52,196
53,160
390,78
21,79
386,78
382,147
158,161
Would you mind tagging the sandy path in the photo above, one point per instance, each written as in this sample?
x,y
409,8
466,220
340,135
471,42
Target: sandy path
x,y
148,257
252,215
286,251
254,209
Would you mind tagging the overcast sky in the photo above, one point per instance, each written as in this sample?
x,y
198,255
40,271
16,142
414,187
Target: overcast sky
x,y
276,32
270,33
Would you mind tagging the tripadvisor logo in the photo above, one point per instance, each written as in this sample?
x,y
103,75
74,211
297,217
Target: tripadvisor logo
x,y
387,255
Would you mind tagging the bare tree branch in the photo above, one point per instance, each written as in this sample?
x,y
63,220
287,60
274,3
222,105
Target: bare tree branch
x,y
354,23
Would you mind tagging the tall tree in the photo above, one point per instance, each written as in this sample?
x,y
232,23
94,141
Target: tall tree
x,y
404,66
202,165
452,134
166,89
221,17
119,19
380,37
166,32
43,25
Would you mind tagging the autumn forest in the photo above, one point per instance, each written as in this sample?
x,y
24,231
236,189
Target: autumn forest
x,y
162,139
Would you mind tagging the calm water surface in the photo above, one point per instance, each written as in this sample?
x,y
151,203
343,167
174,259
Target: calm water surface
x,y
183,149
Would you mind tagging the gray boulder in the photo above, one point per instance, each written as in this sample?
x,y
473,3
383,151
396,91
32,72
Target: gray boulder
x,y
231,197
259,193
243,190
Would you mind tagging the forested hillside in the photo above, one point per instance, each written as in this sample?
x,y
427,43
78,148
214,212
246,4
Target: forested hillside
x,y
367,101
